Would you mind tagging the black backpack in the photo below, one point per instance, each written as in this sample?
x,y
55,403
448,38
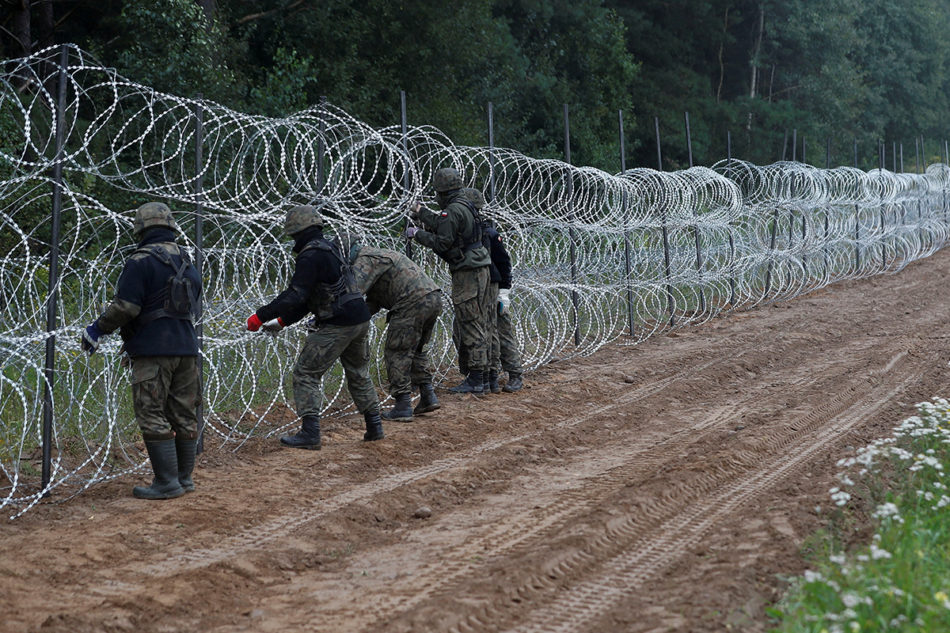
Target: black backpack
x,y
179,297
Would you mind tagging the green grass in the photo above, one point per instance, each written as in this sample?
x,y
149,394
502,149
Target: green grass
x,y
899,579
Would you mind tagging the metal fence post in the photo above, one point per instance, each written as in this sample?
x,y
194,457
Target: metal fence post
x,y
883,213
52,298
405,150
626,231
570,228
666,233
199,265
491,152
857,219
699,252
732,241
322,146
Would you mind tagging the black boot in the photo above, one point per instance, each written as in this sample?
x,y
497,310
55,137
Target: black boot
x,y
514,383
307,437
165,466
186,462
374,427
474,383
427,400
402,411
493,382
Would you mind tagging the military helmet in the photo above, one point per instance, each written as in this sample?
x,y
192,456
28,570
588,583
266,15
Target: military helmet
x,y
475,197
447,179
152,214
301,217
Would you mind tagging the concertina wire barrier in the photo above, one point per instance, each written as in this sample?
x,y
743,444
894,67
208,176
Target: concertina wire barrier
x,y
655,250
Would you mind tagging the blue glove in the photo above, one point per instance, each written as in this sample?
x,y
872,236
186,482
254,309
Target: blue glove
x,y
411,231
504,300
90,338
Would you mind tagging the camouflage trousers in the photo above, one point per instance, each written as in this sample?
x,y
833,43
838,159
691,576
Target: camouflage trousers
x,y
165,396
504,346
407,337
473,304
322,347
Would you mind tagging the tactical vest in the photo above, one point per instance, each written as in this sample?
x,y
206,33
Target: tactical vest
x,y
327,300
178,299
456,253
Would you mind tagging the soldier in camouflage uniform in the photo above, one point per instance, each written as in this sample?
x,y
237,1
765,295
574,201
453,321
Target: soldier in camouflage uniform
x,y
392,281
504,346
156,299
322,284
454,233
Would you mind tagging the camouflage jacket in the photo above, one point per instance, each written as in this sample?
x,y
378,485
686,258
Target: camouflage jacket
x,y
448,232
389,279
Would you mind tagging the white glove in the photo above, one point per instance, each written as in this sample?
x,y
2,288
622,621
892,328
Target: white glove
x,y
504,300
274,325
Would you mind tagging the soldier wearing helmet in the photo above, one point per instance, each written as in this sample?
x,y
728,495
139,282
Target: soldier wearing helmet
x,y
154,309
504,350
454,233
323,285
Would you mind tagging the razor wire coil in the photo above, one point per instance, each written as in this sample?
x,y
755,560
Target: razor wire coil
x,y
658,249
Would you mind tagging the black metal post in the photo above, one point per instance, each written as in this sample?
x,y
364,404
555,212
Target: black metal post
x,y
322,146
696,237
666,233
689,141
785,146
804,160
571,236
794,145
626,230
52,299
405,150
491,152
199,266
732,243
857,220
824,270
916,155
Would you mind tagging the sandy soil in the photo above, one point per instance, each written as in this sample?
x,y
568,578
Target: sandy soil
x,y
668,486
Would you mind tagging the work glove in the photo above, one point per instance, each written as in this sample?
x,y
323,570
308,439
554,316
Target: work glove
x,y
504,300
411,232
274,325
253,323
90,338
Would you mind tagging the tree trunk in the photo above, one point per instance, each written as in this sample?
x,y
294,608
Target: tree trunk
x,y
21,46
44,28
754,61
722,43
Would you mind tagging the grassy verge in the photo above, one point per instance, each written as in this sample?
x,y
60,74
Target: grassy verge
x,y
899,579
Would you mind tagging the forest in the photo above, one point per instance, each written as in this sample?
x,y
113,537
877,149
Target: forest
x,y
753,74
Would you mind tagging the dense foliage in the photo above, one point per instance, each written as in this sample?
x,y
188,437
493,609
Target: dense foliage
x,y
765,71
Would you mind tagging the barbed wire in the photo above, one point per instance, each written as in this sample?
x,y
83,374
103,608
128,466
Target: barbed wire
x,y
655,250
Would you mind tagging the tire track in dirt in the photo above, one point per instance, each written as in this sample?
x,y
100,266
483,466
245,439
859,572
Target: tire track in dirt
x,y
613,469
275,529
670,525
523,531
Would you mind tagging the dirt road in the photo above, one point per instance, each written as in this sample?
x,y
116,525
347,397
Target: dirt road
x,y
663,487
